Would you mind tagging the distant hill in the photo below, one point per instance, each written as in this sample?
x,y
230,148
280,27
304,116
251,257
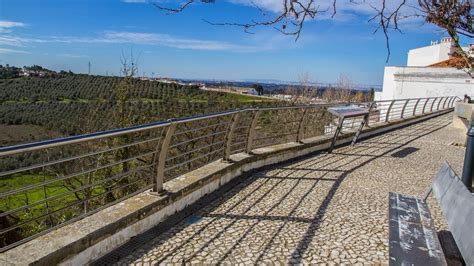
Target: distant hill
x,y
273,85
71,104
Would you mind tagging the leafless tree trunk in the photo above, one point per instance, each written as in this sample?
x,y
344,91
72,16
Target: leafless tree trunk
x,y
344,88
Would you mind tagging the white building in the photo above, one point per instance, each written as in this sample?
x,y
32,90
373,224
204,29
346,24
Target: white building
x,y
429,55
423,76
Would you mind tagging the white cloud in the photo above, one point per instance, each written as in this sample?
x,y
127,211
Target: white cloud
x,y
6,26
11,24
143,38
12,51
73,55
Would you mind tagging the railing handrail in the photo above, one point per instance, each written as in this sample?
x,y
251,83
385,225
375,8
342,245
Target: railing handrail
x,y
38,145
44,144
160,151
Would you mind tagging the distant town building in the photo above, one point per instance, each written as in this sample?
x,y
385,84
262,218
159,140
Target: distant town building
x,y
430,72
230,89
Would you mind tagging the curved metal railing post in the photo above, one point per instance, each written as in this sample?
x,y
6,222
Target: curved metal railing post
x,y
160,169
455,101
300,133
229,135
432,104
451,102
251,133
403,109
439,103
388,110
424,106
416,106
445,100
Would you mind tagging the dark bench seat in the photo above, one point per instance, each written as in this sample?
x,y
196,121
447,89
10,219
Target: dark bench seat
x,y
413,240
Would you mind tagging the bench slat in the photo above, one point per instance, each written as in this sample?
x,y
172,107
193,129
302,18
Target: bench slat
x,y
412,236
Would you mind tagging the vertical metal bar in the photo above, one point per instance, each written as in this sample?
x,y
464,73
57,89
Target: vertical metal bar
x,y
338,130
364,121
403,109
368,115
45,194
416,106
451,102
160,169
251,133
431,109
300,134
439,103
229,135
444,103
424,106
388,110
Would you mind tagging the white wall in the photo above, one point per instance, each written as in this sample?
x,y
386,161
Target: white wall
x,y
421,82
429,55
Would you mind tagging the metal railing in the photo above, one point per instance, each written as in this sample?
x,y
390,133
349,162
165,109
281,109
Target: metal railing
x,y
48,184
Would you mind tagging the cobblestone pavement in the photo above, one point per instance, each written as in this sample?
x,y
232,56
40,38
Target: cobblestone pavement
x,y
327,208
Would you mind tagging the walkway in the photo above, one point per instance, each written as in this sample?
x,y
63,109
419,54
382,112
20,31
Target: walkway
x,y
322,208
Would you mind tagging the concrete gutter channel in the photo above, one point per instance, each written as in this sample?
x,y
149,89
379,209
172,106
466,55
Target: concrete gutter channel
x,y
95,236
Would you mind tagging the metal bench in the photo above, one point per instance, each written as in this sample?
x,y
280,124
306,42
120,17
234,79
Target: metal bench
x,y
413,240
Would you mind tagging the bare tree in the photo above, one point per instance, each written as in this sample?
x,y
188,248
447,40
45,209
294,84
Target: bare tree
x,y
329,94
344,88
308,90
452,16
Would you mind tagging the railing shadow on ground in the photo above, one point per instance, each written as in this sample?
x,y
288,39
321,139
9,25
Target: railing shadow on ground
x,y
334,167
49,184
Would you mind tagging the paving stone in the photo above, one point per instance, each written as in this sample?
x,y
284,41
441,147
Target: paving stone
x,y
325,209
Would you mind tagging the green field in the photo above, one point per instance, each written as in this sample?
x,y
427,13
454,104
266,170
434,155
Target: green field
x,y
41,108
65,105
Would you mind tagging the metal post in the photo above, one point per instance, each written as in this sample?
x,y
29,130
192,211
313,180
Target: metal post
x,y
251,133
300,133
230,133
388,110
468,169
439,103
424,106
336,134
416,106
371,106
364,122
403,109
445,100
452,99
431,109
451,103
160,170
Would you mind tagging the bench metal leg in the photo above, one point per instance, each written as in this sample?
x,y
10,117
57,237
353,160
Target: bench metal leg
x,y
336,134
362,124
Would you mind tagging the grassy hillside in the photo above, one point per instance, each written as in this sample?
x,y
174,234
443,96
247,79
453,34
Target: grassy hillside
x,y
71,104
77,87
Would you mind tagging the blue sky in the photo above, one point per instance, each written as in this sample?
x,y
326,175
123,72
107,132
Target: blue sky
x,y
67,34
